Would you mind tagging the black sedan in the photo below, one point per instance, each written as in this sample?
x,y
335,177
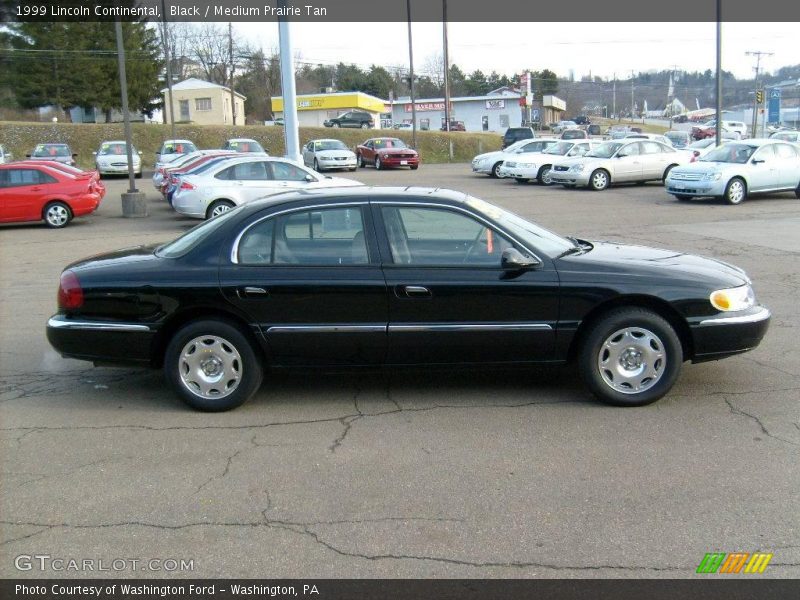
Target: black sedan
x,y
383,277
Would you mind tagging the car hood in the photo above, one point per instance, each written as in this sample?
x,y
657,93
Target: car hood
x,y
406,151
497,155
705,166
609,257
336,154
586,160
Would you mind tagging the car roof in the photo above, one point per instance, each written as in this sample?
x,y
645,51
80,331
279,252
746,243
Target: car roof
x,y
335,140
178,142
112,142
241,140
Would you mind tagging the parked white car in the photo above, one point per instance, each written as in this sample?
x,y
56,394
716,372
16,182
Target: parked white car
x,y
244,145
649,136
172,149
328,154
562,126
111,158
490,162
243,179
786,136
537,165
5,155
738,169
177,161
618,162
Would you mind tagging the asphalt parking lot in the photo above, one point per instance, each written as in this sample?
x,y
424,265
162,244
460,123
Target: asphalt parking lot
x,y
467,474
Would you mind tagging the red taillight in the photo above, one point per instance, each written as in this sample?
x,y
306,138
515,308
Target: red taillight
x,y
70,293
187,186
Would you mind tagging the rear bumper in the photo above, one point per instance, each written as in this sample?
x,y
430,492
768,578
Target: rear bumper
x,y
725,335
85,204
101,341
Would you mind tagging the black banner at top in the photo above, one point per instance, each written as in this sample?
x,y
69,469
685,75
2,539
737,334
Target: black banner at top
x,y
368,11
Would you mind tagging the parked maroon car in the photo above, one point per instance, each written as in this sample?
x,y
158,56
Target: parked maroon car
x,y
385,153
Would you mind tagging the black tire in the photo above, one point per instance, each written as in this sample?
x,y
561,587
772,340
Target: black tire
x,y
245,360
316,165
414,167
336,125
683,197
666,172
138,175
598,346
352,169
378,164
599,180
365,126
521,179
218,207
543,176
360,161
735,191
57,215
496,169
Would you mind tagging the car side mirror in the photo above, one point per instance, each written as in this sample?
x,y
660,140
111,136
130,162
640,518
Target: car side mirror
x,y
27,156
75,155
309,178
758,161
513,260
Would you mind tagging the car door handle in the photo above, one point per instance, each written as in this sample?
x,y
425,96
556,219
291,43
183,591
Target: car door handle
x,y
252,292
416,291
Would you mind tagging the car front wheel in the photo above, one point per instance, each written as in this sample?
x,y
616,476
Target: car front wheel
x,y
599,180
544,176
212,366
735,191
378,164
496,169
630,357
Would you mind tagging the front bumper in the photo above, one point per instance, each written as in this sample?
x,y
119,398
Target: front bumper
x,y
482,167
570,177
519,172
727,334
331,163
101,341
399,162
696,188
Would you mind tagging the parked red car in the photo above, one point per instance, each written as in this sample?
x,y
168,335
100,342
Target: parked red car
x,y
36,191
386,152
94,176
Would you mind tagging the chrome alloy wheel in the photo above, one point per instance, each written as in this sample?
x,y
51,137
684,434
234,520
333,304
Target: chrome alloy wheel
x,y
57,215
599,180
631,360
219,209
735,191
210,367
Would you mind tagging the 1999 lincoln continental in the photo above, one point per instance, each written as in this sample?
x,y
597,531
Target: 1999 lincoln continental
x,y
384,277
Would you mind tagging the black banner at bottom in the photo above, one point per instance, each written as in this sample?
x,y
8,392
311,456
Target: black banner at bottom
x,y
733,588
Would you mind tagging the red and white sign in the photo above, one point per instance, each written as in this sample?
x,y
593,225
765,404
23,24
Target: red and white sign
x,y
428,106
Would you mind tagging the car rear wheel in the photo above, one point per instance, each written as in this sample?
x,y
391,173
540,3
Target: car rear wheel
x,y
360,161
212,366
378,163
599,180
336,125
630,357
544,176
414,167
57,215
365,126
797,191
496,169
218,207
735,191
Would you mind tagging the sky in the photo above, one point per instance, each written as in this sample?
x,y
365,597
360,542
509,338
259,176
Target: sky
x,y
600,48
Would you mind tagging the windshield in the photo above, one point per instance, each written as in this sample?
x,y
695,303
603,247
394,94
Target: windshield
x,y
560,148
114,148
329,145
44,150
180,246
787,136
606,150
178,148
245,146
528,233
730,153
390,143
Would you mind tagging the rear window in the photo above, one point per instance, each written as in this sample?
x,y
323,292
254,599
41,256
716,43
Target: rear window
x,y
194,236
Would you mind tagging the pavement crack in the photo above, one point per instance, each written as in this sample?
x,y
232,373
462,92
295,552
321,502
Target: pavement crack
x,y
229,460
735,410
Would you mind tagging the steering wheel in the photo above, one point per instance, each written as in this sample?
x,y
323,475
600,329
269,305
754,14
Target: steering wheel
x,y
473,245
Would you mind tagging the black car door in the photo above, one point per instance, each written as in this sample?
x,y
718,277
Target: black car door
x,y
310,279
449,299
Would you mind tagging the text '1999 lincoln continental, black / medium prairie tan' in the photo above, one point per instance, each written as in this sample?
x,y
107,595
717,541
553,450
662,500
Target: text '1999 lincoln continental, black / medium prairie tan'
x,y
384,277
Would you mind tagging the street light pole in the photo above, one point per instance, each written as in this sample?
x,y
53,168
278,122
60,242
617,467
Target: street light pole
x,y
446,68
718,125
289,91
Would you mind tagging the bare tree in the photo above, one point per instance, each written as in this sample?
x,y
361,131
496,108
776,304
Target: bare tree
x,y
208,45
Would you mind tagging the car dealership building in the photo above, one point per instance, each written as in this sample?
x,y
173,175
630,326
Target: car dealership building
x,y
314,109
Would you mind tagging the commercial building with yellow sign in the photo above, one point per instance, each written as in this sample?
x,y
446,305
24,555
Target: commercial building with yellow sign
x,y
314,109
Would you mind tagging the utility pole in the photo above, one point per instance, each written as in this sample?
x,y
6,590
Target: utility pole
x,y
758,54
411,79
168,60
291,130
718,124
233,67
614,103
446,68
632,115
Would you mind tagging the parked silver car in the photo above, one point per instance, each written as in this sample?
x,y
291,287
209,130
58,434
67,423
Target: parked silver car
x,y
328,154
57,152
537,165
111,158
737,169
172,149
242,179
5,155
244,145
618,162
490,162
